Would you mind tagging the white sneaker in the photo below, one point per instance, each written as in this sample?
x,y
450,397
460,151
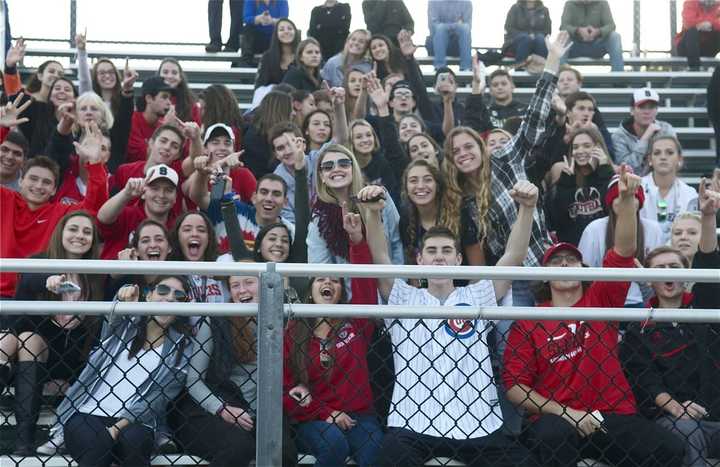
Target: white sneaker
x,y
55,445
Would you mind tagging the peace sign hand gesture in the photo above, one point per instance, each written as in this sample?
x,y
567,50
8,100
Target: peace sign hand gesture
x,y
9,114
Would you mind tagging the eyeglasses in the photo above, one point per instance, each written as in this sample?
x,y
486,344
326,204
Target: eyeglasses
x,y
327,166
164,290
662,210
557,260
403,95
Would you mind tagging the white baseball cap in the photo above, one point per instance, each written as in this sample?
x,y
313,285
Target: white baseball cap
x,y
161,171
220,126
640,96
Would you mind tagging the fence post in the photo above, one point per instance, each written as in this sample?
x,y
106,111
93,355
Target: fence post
x,y
269,369
636,28
673,26
73,25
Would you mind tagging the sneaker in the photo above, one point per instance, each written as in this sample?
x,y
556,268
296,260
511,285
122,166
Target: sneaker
x,y
213,47
231,49
55,445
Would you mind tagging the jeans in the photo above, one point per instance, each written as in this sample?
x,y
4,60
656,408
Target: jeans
x,y
402,447
441,37
630,441
89,442
215,22
331,446
611,45
695,44
701,438
525,45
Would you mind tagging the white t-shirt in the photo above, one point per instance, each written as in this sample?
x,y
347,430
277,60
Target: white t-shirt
x,y
681,198
592,247
443,374
122,381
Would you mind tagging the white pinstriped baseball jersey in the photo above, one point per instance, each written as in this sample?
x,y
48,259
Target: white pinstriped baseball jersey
x,y
443,374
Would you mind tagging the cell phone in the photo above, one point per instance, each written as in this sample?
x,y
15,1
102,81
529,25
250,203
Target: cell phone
x,y
68,287
218,189
374,199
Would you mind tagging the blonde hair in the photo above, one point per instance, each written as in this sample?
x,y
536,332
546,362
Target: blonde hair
x,y
106,121
327,194
363,122
687,215
458,184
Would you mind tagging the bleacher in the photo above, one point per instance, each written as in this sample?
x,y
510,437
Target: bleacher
x,y
683,104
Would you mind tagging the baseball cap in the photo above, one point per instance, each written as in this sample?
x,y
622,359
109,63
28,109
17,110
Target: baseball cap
x,y
560,246
402,84
640,96
217,128
613,192
155,84
161,171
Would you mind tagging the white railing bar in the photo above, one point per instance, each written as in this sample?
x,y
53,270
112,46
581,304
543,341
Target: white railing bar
x,y
12,307
356,270
44,308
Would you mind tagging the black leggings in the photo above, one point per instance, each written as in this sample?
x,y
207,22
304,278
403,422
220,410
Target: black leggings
x,y
89,442
212,438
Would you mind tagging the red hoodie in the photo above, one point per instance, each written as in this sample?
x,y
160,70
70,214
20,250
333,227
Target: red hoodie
x,y
347,386
693,14
24,233
140,133
574,362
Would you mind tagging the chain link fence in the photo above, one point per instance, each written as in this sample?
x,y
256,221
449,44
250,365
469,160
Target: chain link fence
x,y
360,385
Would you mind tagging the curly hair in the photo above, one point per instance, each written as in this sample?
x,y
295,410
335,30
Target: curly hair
x,y
461,186
221,106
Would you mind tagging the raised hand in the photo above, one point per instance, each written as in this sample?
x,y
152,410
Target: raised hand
x,y
376,92
525,193
16,53
202,164
568,165
129,293
337,95
558,104
191,130
129,78
90,149
372,198
557,48
9,114
709,200
479,75
81,41
53,282
230,161
407,48
628,183
134,187
352,223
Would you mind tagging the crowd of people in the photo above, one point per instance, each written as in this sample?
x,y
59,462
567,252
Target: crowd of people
x,y
347,158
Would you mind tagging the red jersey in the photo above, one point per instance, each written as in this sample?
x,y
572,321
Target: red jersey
x,y
24,232
117,235
345,386
140,133
574,362
693,14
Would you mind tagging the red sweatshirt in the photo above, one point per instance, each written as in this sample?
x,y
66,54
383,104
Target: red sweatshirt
x,y
574,362
347,386
117,235
24,233
693,14
140,133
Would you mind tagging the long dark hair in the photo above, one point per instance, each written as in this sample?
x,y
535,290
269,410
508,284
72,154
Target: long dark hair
x,y
313,75
395,62
211,251
257,255
180,324
116,90
301,332
275,107
185,99
34,84
271,59
306,124
221,106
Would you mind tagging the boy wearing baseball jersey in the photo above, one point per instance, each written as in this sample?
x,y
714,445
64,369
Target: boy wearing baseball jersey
x,y
444,401
567,374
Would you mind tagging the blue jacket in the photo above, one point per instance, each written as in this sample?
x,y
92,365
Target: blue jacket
x,y
277,9
153,395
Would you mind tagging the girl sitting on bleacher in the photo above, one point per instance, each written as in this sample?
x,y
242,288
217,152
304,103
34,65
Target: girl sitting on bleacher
x,y
108,415
666,195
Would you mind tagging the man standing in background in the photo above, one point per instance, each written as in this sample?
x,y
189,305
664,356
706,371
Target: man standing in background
x,y
215,25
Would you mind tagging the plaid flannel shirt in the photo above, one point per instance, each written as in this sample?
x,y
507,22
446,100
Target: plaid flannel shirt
x,y
508,168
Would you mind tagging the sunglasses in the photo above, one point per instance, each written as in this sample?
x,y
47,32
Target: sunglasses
x,y
164,290
327,166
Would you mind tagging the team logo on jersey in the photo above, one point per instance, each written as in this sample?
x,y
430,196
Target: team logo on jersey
x,y
460,328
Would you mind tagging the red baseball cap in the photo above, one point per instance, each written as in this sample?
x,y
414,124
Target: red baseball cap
x,y
613,192
560,246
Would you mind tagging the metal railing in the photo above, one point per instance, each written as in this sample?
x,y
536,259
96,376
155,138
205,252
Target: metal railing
x,y
271,310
